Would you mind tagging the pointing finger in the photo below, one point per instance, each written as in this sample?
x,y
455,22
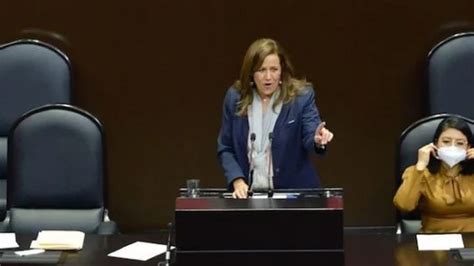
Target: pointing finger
x,y
320,127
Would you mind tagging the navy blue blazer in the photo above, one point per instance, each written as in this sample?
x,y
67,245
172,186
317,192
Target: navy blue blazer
x,y
293,142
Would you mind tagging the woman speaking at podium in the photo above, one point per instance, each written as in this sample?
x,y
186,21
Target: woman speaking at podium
x,y
270,125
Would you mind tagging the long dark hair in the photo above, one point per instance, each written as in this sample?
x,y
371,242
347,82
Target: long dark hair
x,y
467,166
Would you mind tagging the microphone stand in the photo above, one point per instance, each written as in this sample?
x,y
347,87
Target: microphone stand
x,y
251,166
270,166
167,261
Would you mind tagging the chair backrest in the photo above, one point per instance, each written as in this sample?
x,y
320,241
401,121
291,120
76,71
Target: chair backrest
x,y
56,170
414,137
450,76
32,74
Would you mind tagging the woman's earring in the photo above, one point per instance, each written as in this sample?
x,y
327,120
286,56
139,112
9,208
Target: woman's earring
x,y
280,82
251,83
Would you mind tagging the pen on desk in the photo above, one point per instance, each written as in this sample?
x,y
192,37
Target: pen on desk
x,y
168,244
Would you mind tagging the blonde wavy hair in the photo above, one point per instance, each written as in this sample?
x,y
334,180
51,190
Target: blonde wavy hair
x,y
253,60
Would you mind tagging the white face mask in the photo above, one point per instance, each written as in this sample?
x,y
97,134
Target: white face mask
x,y
451,155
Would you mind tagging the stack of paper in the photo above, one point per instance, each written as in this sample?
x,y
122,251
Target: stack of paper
x,y
59,240
8,240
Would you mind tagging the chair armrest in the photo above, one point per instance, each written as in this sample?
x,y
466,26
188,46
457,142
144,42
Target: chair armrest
x,y
410,226
5,224
108,228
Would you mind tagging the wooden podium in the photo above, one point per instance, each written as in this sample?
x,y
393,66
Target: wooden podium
x,y
303,227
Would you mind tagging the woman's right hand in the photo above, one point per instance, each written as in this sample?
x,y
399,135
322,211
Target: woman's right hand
x,y
240,189
424,156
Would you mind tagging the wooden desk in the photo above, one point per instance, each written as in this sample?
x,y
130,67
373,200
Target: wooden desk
x,y
360,249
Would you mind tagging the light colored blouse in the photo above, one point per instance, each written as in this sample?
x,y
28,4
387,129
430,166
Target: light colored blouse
x,y
446,202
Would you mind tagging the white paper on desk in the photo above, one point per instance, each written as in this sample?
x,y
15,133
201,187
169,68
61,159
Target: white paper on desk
x,y
285,195
58,240
139,251
280,195
260,196
8,240
439,242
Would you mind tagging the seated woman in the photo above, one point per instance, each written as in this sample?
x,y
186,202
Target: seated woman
x,y
441,184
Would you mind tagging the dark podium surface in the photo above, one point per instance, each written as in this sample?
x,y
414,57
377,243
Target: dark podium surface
x,y
304,222
308,223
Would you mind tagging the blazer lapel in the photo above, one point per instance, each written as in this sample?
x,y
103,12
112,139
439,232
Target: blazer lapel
x,y
242,131
282,117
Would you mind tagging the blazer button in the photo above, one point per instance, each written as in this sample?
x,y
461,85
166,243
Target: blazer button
x,y
277,170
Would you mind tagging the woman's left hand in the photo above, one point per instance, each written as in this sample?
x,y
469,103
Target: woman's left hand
x,y
322,136
470,153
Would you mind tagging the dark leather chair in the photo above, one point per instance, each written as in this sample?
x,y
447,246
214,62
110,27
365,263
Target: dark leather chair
x,y
414,137
32,73
56,172
450,77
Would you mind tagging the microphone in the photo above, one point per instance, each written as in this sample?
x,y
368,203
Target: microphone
x,y
270,165
251,166
168,245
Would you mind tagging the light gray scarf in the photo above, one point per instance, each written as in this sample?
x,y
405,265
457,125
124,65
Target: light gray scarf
x,y
261,124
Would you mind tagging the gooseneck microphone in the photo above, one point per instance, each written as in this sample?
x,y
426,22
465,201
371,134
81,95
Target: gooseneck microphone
x,y
251,166
270,165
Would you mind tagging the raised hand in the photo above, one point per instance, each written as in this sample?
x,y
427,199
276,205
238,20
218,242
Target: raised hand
x,y
322,136
470,153
424,156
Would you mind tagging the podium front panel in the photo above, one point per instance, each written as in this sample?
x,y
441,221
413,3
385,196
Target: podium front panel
x,y
259,225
